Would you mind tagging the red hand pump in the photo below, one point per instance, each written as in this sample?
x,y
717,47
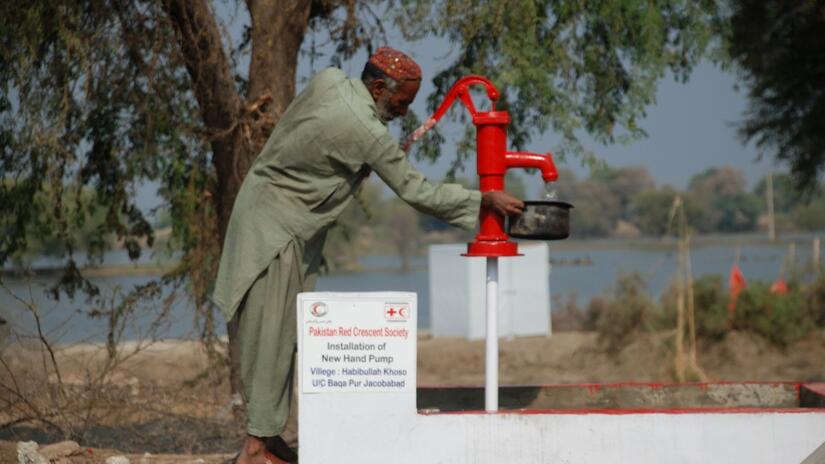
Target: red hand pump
x,y
493,161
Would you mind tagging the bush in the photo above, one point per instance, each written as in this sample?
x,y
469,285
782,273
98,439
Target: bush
x,y
710,304
567,316
627,311
815,295
710,300
782,319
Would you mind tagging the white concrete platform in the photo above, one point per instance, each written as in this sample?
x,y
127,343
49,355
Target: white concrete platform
x,y
377,421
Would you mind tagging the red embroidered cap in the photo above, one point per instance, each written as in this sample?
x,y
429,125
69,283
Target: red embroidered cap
x,y
395,64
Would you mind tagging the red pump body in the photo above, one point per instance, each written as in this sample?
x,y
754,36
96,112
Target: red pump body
x,y
493,161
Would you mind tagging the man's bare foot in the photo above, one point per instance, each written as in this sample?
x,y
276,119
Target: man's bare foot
x,y
254,452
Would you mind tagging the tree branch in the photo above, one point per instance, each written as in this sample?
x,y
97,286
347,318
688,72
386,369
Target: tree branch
x,y
200,45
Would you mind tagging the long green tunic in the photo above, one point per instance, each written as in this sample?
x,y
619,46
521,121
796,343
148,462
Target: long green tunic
x,y
306,175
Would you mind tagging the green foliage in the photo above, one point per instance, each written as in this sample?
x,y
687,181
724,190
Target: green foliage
x,y
91,100
710,300
596,210
650,210
782,319
624,183
569,66
779,318
86,235
795,209
97,95
603,198
737,213
809,217
778,46
816,300
726,205
716,201
625,312
785,196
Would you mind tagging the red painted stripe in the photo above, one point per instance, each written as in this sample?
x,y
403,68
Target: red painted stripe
x,y
617,412
653,385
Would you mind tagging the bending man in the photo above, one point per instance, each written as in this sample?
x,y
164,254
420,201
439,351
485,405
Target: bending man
x,y
321,150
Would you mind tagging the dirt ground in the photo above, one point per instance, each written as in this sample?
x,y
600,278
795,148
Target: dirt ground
x,y
168,403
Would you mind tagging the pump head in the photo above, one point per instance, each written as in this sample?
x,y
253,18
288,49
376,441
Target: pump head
x,y
493,160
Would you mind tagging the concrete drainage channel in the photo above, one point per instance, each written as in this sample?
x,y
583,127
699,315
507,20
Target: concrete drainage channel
x,y
630,397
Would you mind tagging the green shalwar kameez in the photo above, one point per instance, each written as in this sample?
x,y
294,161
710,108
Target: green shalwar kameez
x,y
301,181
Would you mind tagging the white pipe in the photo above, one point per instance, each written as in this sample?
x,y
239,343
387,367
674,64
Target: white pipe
x,y
491,366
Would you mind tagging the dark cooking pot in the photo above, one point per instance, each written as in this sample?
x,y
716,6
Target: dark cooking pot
x,y
541,220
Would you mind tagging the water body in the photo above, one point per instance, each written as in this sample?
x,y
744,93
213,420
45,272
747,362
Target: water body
x,y
582,270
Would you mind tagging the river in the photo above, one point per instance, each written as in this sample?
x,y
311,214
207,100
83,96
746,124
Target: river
x,y
580,270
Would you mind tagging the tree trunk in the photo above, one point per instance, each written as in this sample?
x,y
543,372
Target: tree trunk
x,y
278,29
239,126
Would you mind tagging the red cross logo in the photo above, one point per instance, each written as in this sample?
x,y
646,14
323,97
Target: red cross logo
x,y
396,312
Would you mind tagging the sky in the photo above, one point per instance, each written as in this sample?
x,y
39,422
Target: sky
x,y
691,126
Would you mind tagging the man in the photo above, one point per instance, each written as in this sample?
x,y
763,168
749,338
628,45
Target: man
x,y
331,136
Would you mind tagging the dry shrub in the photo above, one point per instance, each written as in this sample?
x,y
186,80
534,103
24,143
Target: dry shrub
x,y
568,316
815,303
627,310
92,393
710,307
782,319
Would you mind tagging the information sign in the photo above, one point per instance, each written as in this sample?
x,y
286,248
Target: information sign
x,y
357,342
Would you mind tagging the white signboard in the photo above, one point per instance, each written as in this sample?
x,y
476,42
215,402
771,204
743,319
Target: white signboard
x,y
362,342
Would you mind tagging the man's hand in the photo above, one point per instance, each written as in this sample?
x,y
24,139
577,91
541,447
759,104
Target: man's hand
x,y
502,203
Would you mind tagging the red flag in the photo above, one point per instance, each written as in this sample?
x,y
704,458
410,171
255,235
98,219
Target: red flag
x,y
736,281
779,287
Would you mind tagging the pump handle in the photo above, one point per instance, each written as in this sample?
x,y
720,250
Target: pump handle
x,y
461,90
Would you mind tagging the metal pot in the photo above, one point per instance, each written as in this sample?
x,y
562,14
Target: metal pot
x,y
541,220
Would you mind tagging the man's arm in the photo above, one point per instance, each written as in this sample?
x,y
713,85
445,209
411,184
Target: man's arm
x,y
450,202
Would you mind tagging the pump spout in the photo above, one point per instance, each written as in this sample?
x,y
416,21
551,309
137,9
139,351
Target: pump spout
x,y
544,163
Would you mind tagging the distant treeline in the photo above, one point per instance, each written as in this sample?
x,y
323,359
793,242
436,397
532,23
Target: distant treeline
x,y
610,202
625,202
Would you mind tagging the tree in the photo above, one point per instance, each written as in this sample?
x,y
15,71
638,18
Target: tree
x,y
650,210
785,197
728,207
737,213
624,183
596,210
779,48
810,217
108,94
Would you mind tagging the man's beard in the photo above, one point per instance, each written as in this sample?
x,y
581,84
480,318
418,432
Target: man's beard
x,y
384,113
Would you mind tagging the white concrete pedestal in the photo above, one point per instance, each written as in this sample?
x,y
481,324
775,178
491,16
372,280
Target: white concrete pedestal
x,y
376,421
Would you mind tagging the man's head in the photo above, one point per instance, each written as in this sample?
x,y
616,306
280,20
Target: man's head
x,y
392,79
